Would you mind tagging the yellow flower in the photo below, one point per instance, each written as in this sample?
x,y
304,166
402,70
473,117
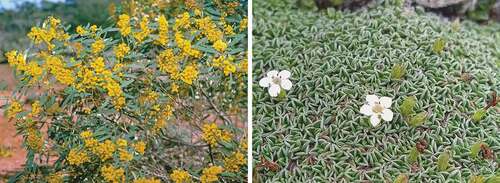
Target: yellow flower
x,y
93,28
91,144
141,36
189,74
167,63
34,140
14,108
36,108
16,60
54,21
105,150
174,88
97,46
76,157
243,24
80,30
226,136
182,21
124,24
234,162
211,174
228,29
86,134
180,176
121,143
55,178
112,174
209,29
125,156
121,51
34,70
57,68
211,133
220,46
145,180
162,30
140,147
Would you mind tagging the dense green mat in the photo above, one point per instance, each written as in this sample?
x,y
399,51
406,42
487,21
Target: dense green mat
x,y
317,133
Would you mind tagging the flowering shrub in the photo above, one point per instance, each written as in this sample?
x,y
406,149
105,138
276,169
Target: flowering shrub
x,y
156,97
437,73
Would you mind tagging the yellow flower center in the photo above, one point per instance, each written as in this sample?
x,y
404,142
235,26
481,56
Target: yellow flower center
x,y
276,80
377,108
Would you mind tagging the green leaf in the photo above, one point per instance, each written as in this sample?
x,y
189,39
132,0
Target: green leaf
x,y
402,178
418,119
398,71
413,156
475,149
443,161
478,115
407,106
476,179
439,45
494,179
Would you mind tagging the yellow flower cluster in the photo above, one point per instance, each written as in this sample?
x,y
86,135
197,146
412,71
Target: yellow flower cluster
x,y
145,31
220,46
189,74
234,162
140,147
36,108
145,180
14,108
77,157
180,176
167,63
209,29
112,174
47,34
211,174
226,64
34,139
124,24
57,68
162,30
105,150
97,46
80,30
125,155
185,46
99,76
182,21
19,62
121,51
55,178
212,134
243,24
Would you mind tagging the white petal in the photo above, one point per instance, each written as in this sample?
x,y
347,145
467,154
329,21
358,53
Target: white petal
x,y
374,120
273,73
372,99
386,101
274,90
387,115
284,74
366,110
264,82
286,84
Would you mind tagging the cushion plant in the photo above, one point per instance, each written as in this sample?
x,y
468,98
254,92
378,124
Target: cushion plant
x,y
438,74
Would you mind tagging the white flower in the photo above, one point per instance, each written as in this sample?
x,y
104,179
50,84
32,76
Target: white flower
x,y
377,108
276,81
